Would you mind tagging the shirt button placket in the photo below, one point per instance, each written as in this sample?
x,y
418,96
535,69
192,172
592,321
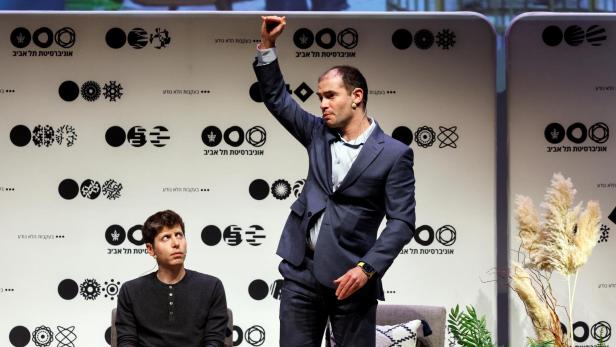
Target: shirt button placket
x,y
171,316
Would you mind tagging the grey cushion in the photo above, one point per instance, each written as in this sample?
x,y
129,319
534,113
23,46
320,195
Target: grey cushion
x,y
435,316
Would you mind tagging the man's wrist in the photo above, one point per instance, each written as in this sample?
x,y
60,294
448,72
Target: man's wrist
x,y
366,268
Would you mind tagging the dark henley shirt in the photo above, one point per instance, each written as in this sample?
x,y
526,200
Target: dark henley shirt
x,y
190,313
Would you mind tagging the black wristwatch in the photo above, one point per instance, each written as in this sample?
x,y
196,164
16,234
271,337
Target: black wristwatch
x,y
367,269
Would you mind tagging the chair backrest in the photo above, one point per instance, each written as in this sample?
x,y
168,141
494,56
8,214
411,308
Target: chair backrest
x,y
228,332
435,316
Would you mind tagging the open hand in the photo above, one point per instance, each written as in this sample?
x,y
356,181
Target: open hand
x,y
350,282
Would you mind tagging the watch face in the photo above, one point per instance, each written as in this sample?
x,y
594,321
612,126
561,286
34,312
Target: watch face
x,y
368,268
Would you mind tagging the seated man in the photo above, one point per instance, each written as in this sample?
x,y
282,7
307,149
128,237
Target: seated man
x,y
173,306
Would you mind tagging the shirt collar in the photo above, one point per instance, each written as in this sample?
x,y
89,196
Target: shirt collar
x,y
361,139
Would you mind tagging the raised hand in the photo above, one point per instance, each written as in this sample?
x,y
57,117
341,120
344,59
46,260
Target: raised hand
x,y
271,28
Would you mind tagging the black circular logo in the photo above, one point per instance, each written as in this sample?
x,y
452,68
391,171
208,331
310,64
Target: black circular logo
x,y
255,335
20,135
108,336
136,136
255,92
281,189
43,135
211,235
577,133
42,37
115,235
159,136
554,133
211,136
68,90
424,39
19,336
425,136
131,235
446,235
552,36
232,235
574,35
258,289
259,189
115,38
20,37
601,331
599,132
402,39
326,38
68,189
234,136
91,91
303,38
138,38
68,289
90,189
403,134
418,233
256,136
595,35
115,136
65,37
348,38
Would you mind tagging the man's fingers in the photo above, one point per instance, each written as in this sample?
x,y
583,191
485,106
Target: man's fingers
x,y
349,290
342,282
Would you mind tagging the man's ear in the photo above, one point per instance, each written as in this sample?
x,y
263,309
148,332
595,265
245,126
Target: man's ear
x,y
358,95
150,249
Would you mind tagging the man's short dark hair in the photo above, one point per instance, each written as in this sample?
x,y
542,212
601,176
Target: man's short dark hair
x,y
156,222
351,78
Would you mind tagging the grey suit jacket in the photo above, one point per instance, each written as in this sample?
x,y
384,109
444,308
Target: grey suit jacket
x,y
380,183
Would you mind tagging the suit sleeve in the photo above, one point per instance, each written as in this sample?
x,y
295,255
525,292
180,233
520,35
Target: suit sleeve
x,y
126,326
287,111
400,214
217,317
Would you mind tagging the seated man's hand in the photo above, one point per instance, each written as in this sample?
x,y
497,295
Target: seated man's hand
x,y
271,28
350,282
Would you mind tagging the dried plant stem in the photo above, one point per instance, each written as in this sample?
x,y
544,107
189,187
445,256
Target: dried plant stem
x,y
560,240
571,298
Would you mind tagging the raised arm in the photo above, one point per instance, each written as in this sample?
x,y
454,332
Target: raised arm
x,y
281,105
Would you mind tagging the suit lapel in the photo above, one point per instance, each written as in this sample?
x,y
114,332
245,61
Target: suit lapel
x,y
369,152
330,136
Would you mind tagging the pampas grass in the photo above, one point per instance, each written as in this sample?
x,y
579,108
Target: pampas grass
x,y
561,243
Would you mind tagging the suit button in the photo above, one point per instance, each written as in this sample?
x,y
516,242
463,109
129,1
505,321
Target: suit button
x,y
309,214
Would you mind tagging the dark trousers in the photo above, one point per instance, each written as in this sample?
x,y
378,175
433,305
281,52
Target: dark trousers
x,y
306,305
301,5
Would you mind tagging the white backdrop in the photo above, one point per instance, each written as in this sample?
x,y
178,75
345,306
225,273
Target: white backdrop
x,y
560,104
109,117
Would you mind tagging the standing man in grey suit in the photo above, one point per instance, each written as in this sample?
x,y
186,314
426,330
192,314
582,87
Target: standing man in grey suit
x,y
333,261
